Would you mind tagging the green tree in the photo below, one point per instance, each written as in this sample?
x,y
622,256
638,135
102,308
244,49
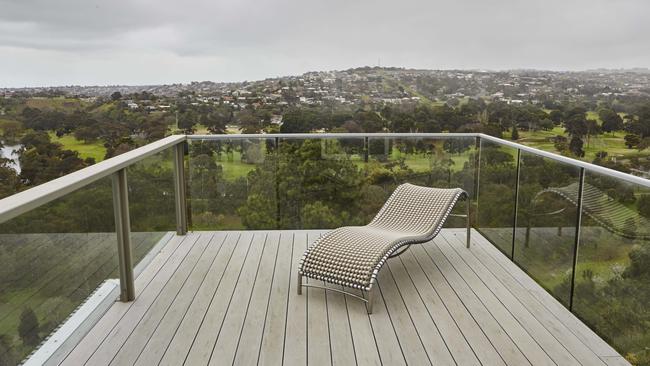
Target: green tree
x,y
576,125
317,182
639,268
249,122
9,180
560,143
643,205
600,157
575,146
297,120
611,120
43,160
632,140
515,134
217,120
28,327
187,120
7,353
87,134
556,116
11,130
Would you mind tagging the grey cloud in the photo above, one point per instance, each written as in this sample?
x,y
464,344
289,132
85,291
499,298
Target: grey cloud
x,y
247,39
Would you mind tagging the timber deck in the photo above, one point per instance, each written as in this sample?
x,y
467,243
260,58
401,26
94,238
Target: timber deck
x,y
225,298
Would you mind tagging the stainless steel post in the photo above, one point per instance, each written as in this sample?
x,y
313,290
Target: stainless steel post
x,y
576,243
516,206
179,189
123,230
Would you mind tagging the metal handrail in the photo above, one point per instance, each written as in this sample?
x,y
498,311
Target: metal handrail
x,y
563,159
32,198
22,202
330,135
570,161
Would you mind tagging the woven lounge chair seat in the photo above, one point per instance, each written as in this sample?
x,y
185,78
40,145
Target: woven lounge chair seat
x,y
352,256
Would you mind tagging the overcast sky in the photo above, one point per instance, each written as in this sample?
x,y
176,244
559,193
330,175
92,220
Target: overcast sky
x,y
90,42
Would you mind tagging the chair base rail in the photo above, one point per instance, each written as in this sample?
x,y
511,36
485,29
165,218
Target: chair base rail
x,y
369,300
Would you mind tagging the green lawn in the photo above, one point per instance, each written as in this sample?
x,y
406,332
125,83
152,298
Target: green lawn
x,y
422,162
59,104
94,150
233,167
612,143
5,120
594,115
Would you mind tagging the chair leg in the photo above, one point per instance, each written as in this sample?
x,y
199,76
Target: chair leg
x,y
371,300
299,284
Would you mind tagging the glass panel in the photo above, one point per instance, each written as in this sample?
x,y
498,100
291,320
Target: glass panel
x,y
546,219
232,185
432,162
51,259
321,183
151,201
496,194
612,290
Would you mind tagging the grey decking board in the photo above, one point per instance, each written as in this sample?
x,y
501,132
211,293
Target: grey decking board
x,y
452,313
434,344
115,339
87,346
250,338
390,349
273,335
208,333
341,342
615,361
158,342
431,307
407,335
555,327
318,332
578,328
365,346
295,342
225,347
553,348
149,323
183,337
433,295
142,327
442,272
526,343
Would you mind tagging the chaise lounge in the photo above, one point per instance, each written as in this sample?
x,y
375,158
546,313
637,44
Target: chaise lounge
x,y
352,256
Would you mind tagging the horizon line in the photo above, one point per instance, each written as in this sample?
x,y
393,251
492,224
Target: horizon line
x,y
486,70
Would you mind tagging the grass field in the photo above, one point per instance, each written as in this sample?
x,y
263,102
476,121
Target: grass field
x,y
612,143
58,104
94,150
3,121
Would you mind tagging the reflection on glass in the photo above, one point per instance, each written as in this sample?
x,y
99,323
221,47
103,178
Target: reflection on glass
x,y
496,194
612,289
51,259
231,184
432,162
151,201
321,183
315,183
546,219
